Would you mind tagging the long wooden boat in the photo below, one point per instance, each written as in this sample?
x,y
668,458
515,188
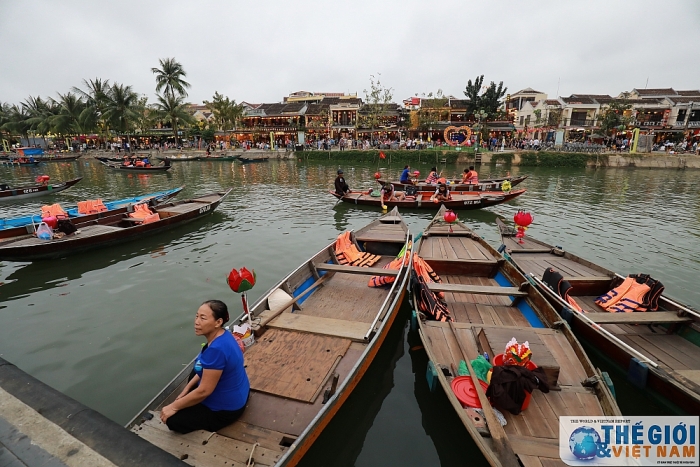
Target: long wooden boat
x,y
110,229
8,193
59,158
179,158
659,350
306,359
490,302
20,162
221,158
490,184
246,159
10,227
461,200
131,168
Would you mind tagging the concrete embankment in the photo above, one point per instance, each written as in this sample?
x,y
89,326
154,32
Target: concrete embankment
x,y
40,426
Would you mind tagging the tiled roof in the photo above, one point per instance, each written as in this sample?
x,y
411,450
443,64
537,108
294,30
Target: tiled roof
x,y
552,102
459,103
528,91
656,92
684,99
315,109
593,96
578,100
690,93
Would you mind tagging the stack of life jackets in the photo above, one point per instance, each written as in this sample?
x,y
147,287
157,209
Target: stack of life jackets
x,y
348,255
638,292
401,259
144,214
91,206
556,282
428,302
54,210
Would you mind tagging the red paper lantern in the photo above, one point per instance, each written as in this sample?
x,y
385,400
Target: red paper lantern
x,y
416,173
377,175
450,216
522,220
42,178
242,280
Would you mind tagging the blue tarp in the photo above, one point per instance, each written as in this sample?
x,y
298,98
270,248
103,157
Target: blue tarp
x,y
32,151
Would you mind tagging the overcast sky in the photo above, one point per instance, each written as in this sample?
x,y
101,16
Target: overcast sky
x,y
259,51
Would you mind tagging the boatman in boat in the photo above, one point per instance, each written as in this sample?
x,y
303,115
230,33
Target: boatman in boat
x,y
218,393
406,175
341,186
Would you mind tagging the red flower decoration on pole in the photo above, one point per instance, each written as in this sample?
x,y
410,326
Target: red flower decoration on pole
x,y
377,175
522,220
240,282
450,217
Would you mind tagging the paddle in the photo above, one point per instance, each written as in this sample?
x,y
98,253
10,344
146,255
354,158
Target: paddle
x,y
279,310
498,434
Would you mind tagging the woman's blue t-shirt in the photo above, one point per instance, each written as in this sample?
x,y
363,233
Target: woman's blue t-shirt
x,y
231,392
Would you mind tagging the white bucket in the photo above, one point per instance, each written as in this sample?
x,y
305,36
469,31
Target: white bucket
x,y
248,341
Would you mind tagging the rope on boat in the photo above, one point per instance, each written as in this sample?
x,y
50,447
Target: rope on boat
x,y
251,462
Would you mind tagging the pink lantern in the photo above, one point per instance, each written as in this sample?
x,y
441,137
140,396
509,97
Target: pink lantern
x,y
240,282
522,220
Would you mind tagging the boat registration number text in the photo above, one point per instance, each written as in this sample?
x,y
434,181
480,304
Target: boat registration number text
x,y
204,209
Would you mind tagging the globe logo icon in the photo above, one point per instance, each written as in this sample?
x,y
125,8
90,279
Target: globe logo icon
x,y
583,443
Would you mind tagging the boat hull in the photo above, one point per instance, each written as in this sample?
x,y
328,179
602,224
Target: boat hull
x,y
459,201
494,184
34,249
36,190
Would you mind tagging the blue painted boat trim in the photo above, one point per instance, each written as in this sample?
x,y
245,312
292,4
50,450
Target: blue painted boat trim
x,y
523,306
73,212
304,286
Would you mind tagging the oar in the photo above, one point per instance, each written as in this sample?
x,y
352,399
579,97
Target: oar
x,y
279,310
500,439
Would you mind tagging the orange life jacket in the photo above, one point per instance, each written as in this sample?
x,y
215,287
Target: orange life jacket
x,y
347,253
378,281
424,270
142,212
616,294
54,210
633,300
472,177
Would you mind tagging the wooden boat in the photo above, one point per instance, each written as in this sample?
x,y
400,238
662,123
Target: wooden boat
x,y
8,193
460,200
221,158
490,302
116,227
659,350
17,226
131,168
179,158
58,158
245,159
20,162
491,184
306,359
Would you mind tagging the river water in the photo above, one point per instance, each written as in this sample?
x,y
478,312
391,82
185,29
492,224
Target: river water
x,y
111,327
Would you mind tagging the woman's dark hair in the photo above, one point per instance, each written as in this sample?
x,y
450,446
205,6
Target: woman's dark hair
x,y
433,169
466,170
218,309
442,187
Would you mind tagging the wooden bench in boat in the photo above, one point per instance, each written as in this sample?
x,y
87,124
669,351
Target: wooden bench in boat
x,y
638,317
476,289
355,269
353,330
588,279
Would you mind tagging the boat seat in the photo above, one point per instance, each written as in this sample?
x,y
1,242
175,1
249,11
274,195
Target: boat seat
x,y
638,317
353,330
476,289
355,269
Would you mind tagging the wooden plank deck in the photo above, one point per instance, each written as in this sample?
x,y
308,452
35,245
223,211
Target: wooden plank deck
x,y
85,231
537,263
325,326
292,364
455,248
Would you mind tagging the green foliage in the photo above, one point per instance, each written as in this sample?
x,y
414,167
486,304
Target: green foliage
x,y
432,110
172,109
489,101
377,100
505,158
171,77
614,114
226,112
556,159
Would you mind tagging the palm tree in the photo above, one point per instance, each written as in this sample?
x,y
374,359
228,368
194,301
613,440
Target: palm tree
x,y
173,110
122,108
70,108
95,97
16,117
170,76
41,115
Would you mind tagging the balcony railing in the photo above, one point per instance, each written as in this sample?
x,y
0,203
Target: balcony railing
x,y
582,122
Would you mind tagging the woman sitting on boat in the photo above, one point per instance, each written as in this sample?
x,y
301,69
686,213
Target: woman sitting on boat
x,y
387,193
217,395
432,177
471,176
441,194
